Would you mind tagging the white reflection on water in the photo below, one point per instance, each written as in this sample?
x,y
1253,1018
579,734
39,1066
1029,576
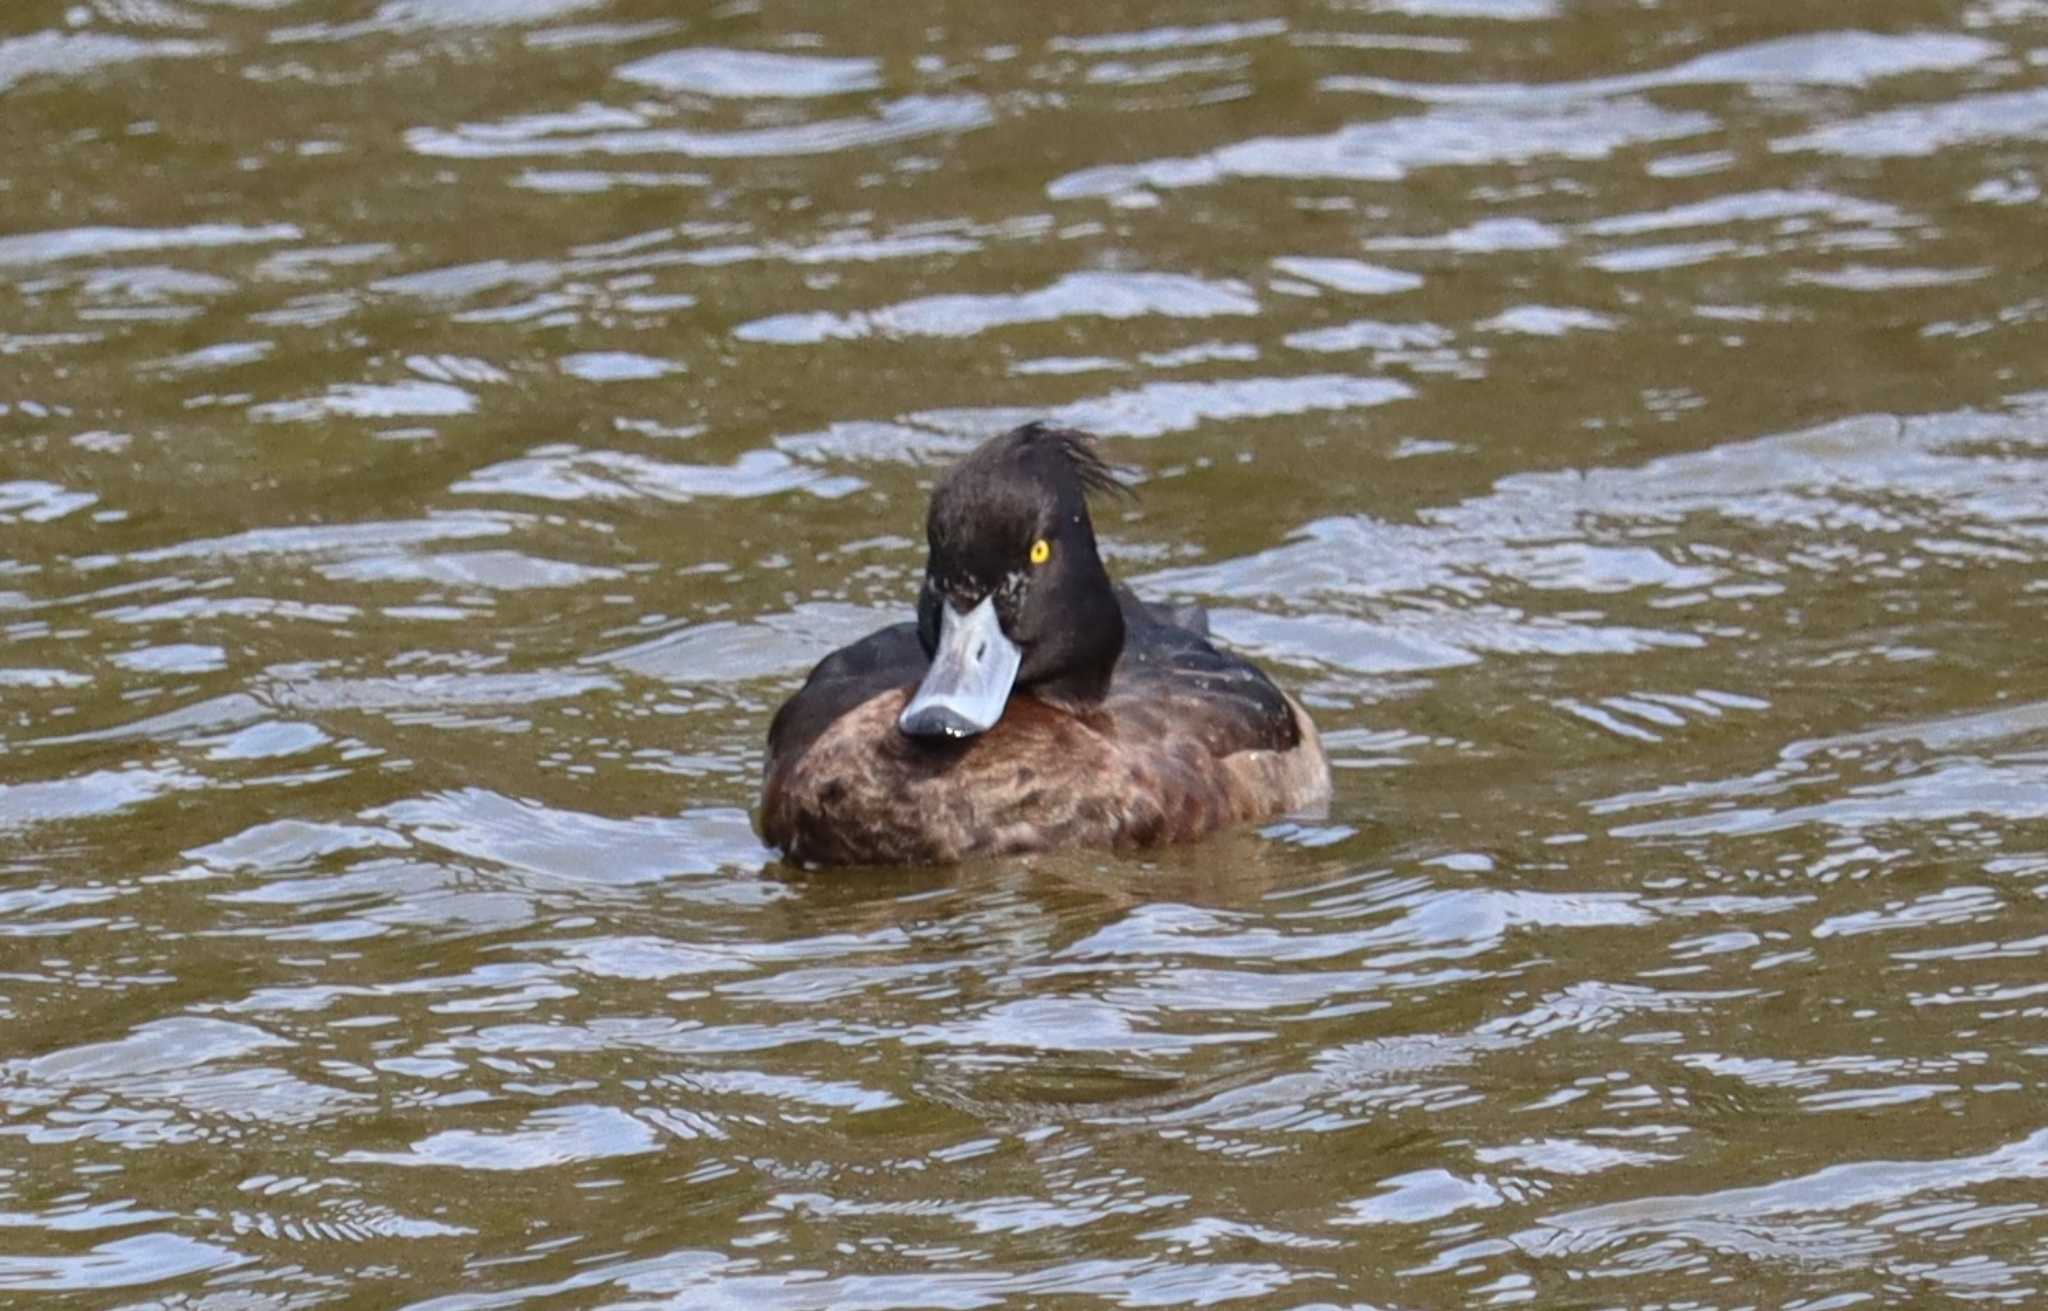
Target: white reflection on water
x,y
496,570
160,1047
1926,129
369,536
74,54
1348,275
90,243
363,400
1076,295
1776,1219
788,643
563,844
570,474
750,73
557,1136
40,502
101,792
895,120
1175,37
1843,59
432,15
694,1277
1391,149
616,366
119,1263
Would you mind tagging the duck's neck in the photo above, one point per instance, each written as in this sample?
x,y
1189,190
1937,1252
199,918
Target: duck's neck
x,y
1079,671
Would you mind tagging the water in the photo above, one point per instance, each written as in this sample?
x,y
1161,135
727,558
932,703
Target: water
x,y
435,434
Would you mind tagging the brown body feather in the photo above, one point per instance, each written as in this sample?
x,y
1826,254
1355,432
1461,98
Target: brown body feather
x,y
1136,771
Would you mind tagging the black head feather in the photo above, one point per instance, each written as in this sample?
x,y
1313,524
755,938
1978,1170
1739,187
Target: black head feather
x,y
1077,449
1031,482
1029,485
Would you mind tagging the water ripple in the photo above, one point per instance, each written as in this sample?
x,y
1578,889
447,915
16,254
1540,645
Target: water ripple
x,y
1390,150
750,73
1082,295
895,120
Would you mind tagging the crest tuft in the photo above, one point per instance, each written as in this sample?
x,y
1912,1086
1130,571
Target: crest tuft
x,y
1076,450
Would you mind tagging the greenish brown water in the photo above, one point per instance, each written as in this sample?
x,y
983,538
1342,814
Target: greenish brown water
x,y
435,434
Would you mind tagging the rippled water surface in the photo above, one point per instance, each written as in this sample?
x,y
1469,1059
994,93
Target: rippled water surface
x,y
434,434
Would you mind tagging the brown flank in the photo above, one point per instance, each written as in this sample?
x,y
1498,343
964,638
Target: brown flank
x,y
1130,773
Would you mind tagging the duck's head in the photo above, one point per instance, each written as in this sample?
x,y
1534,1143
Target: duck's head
x,y
1015,596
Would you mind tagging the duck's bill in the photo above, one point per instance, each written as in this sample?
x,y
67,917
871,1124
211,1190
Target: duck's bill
x,y
964,691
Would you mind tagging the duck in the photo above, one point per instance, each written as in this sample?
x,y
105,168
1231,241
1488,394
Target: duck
x,y
1033,704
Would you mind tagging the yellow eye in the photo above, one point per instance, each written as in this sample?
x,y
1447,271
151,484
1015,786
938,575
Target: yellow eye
x,y
1041,551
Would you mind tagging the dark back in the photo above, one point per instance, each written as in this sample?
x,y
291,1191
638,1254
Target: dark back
x,y
1171,675
886,659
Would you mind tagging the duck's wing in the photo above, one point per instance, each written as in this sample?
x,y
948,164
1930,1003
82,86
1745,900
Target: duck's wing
x,y
1172,679
1139,613
885,659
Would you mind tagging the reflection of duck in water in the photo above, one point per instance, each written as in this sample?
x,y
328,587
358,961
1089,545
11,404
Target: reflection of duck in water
x,y
1033,704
